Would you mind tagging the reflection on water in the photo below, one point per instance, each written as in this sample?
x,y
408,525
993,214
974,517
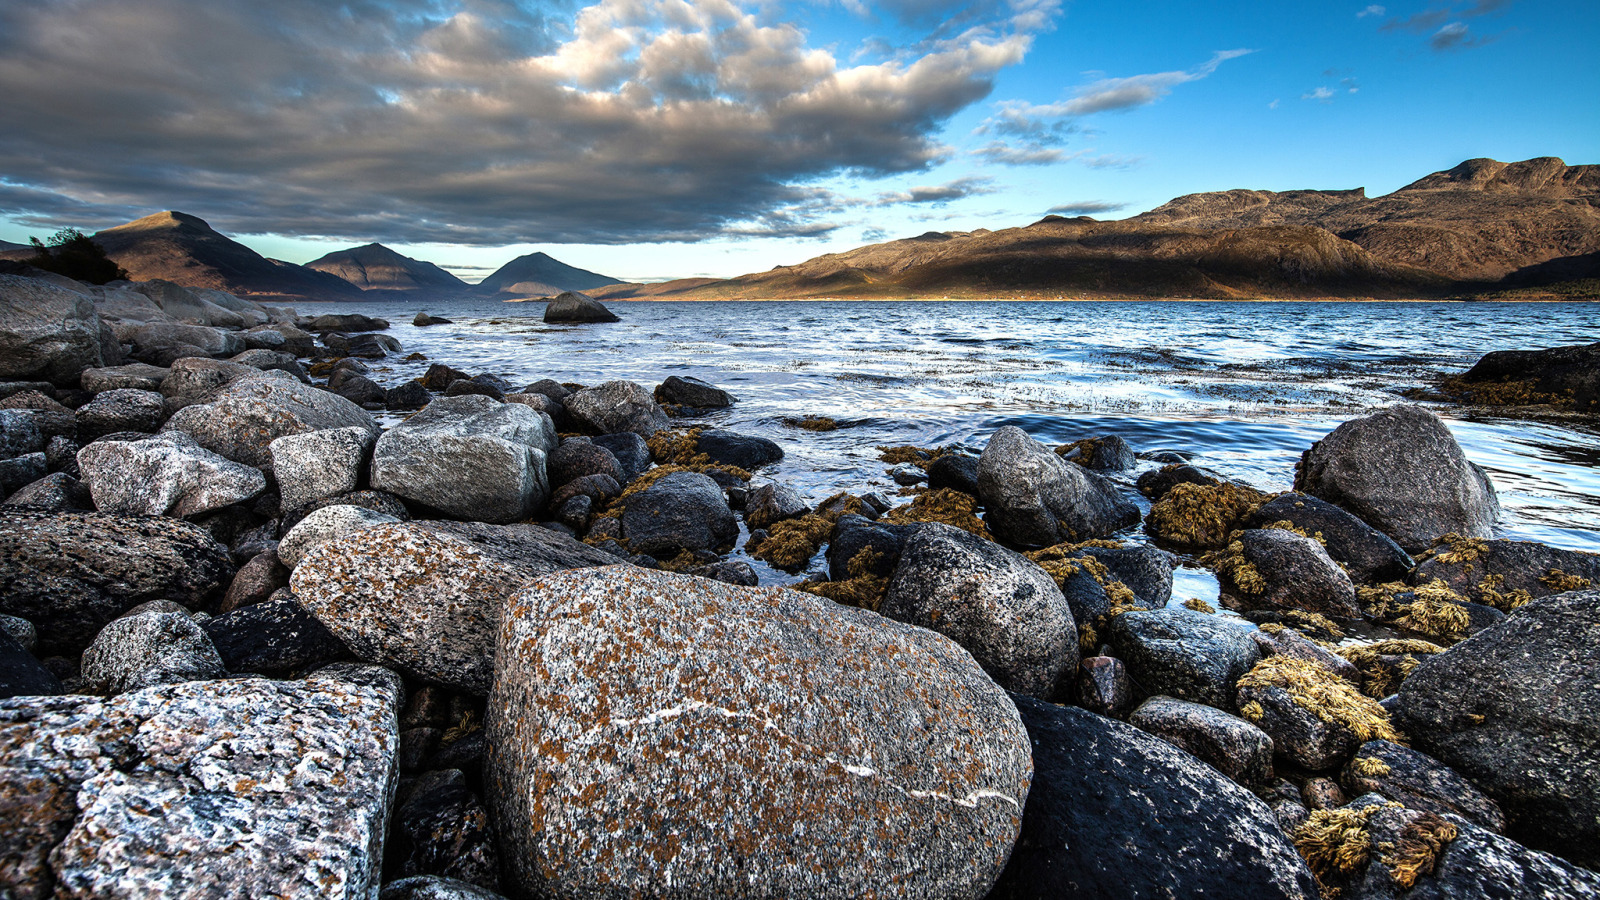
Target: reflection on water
x,y
1245,387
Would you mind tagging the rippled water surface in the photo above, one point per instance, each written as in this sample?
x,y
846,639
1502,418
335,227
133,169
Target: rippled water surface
x,y
1244,387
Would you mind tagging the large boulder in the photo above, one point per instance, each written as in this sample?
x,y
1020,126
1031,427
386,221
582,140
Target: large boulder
x,y
730,448
195,379
165,342
1116,813
168,474
1420,782
571,307
652,734
277,638
1184,654
241,788
242,419
686,390
1004,609
151,648
617,406
1032,497
196,306
469,457
325,524
133,375
123,409
317,465
71,573
1369,555
683,511
1402,472
46,332
1569,374
425,597
1503,573
1516,709
1270,568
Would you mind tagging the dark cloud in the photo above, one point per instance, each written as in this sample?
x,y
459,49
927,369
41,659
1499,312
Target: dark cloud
x,y
1086,208
464,121
961,188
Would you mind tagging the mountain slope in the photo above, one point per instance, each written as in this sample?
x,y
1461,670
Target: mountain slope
x,y
376,267
540,275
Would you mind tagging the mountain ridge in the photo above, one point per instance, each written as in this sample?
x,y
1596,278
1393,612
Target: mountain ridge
x,y
374,267
539,274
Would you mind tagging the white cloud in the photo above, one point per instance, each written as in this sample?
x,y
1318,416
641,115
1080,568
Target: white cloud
x,y
1321,95
1373,10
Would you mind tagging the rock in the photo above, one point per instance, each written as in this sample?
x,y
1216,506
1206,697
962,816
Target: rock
x,y
426,597
692,392
165,475
1568,373
295,341
1102,454
1321,793
628,696
21,674
1157,483
194,380
468,457
1420,782
439,377
46,332
432,887
683,511
316,465
555,409
326,524
468,387
123,409
727,448
1144,569
143,651
954,471
245,417
630,450
771,503
1104,686
595,488
411,395
577,457
855,535
265,337
1115,812
193,305
728,571
1276,569
549,387
35,399
266,360
907,475
571,307
1276,640
346,322
1402,472
256,581
1184,654
1501,573
1033,498
1227,743
363,346
276,638
165,342
1368,555
55,491
1316,719
1004,609
136,376
19,434
71,573
423,320
1513,708
61,455
358,389
617,406
21,471
443,829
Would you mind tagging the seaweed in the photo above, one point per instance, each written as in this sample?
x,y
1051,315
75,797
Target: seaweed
x,y
1203,515
812,423
1560,582
1369,767
1324,695
1417,853
1200,606
1385,664
1336,844
682,449
862,588
907,453
945,505
791,543
1431,609
1229,563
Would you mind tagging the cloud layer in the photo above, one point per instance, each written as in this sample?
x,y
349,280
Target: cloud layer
x,y
470,121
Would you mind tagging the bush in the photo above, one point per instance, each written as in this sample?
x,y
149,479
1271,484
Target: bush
x,y
70,252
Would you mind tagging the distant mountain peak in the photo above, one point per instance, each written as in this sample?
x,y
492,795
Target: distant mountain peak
x,y
539,273
170,218
376,267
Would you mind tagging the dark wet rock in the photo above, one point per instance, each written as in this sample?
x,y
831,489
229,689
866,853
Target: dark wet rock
x,y
1309,727
956,471
888,738
1279,569
771,503
574,308
1368,555
1157,483
1571,373
123,409
729,448
363,346
683,511
1104,686
273,359
881,542
1488,571
1146,571
1004,609
577,457
358,389
192,380
21,674
1102,454
468,457
1516,709
1184,654
54,491
61,455
728,571
46,331
596,488
574,512
469,387
907,475
317,465
1033,498
630,450
442,829
276,638
432,887
21,471
346,322
1115,812
1276,640
549,387
425,597
1401,471
257,580
135,376
19,434
295,341
439,377
411,395
145,650
326,524
617,406
39,400
423,320
692,392
1322,793
1420,782
242,420
165,475
1228,743
10,389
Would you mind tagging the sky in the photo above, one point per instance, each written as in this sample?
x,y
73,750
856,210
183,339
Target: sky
x,y
653,139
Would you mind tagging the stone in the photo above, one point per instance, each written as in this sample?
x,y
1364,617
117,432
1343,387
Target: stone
x,y
123,409
439,377
956,471
630,450
1031,497
682,511
1104,686
21,675
425,598
19,434
21,471
728,448
1569,373
470,458
195,379
160,340
273,359
165,475
242,788
1419,782
55,491
1321,793
410,395
1367,554
577,457
423,320
1227,743
1277,569
1005,610
1316,719
346,322
728,719
316,465
21,630
1516,710
276,638
326,524
432,887
364,346
145,650
907,475
61,455
242,420
377,501
771,503
727,571
190,304
1109,453
256,581
617,406
1402,472
1491,572
265,337
467,387
597,488
1276,640
1184,654
442,829
71,573
1157,483
46,332
686,390
1115,812
572,307
358,389
1145,570
136,376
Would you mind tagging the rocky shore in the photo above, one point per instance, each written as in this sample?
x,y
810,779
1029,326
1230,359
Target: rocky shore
x,y
256,644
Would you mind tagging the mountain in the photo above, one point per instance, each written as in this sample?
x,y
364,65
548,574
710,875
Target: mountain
x,y
181,248
375,267
539,275
8,246
1481,223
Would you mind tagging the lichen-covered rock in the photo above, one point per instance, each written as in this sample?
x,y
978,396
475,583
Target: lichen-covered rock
x,y
145,650
683,511
70,573
1368,555
137,376
276,638
469,457
686,390
1506,573
1516,709
326,524
425,597
1420,782
242,419
1115,812
572,307
617,406
654,734
1032,497
123,409
1402,472
1275,569
1184,654
242,788
1001,607
1228,743
168,474
317,465
194,379
46,331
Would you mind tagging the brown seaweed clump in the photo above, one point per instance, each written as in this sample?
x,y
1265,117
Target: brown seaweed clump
x,y
791,543
1417,853
1236,571
682,450
1336,844
1062,562
906,453
1369,767
1560,582
1503,393
1432,609
812,423
861,588
945,505
1202,516
1324,695
1199,606
1385,664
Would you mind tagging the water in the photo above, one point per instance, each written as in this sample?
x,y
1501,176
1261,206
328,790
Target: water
x,y
1243,387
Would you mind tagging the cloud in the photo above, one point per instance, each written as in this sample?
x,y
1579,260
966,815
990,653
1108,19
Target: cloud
x,y
1445,27
1373,10
1003,154
1086,208
1111,161
1321,95
467,121
1274,104
1113,94
940,194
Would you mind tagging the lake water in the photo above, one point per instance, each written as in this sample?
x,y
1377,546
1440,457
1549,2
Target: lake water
x,y
1243,387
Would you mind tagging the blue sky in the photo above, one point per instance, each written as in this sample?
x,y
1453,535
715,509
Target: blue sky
x,y
666,138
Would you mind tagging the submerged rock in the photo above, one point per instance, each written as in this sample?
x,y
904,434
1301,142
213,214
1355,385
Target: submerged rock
x,y
1034,498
